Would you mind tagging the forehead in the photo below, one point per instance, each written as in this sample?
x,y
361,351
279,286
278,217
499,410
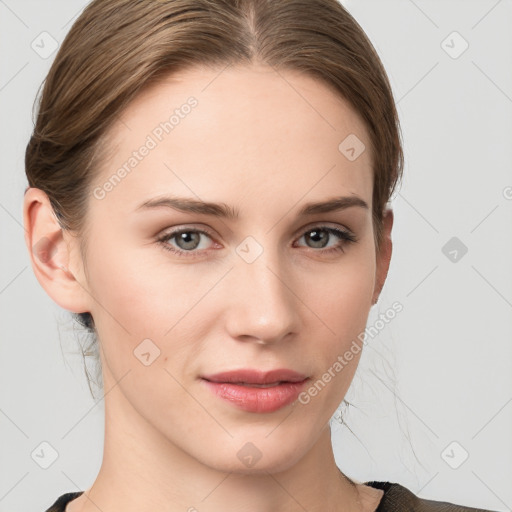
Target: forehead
x,y
239,127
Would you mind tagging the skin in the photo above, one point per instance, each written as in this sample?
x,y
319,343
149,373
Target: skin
x,y
265,143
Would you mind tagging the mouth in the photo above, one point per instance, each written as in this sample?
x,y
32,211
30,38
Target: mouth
x,y
254,385
256,391
250,376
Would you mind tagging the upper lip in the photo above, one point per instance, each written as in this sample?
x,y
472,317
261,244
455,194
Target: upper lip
x,y
253,376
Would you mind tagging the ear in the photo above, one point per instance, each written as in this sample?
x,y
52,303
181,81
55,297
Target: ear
x,y
384,254
54,254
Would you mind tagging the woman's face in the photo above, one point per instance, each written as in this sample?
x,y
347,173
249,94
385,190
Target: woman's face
x,y
252,283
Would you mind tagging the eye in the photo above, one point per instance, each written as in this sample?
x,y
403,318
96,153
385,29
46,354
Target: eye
x,y
319,236
187,241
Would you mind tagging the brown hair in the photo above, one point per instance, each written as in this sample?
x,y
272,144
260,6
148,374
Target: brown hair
x,y
116,48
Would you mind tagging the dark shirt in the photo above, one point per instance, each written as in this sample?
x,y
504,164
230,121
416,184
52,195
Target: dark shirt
x,y
396,498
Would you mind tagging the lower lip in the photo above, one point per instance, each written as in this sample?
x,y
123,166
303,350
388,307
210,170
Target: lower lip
x,y
254,399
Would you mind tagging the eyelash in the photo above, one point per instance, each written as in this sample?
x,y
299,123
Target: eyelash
x,y
345,237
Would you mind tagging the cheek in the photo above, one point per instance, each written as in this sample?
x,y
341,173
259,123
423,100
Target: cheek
x,y
139,296
341,296
341,300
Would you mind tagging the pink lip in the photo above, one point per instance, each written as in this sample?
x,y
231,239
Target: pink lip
x,y
235,387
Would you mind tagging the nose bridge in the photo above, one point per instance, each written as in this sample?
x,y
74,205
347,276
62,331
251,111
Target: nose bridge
x,y
264,306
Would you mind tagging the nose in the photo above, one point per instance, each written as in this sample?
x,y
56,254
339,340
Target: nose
x,y
263,306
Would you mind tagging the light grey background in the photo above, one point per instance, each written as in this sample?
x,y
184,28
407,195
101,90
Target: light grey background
x,y
434,385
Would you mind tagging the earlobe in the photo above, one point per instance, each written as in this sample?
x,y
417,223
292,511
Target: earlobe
x,y
51,253
384,255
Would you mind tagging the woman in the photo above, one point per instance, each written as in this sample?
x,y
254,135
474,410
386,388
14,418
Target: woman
x,y
208,189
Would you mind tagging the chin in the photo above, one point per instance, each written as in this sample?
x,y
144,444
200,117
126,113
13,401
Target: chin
x,y
257,453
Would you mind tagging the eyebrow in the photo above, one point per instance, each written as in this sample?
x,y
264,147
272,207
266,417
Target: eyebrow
x,y
222,210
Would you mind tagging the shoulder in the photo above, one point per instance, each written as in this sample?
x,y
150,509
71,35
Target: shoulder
x,y
62,501
398,498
